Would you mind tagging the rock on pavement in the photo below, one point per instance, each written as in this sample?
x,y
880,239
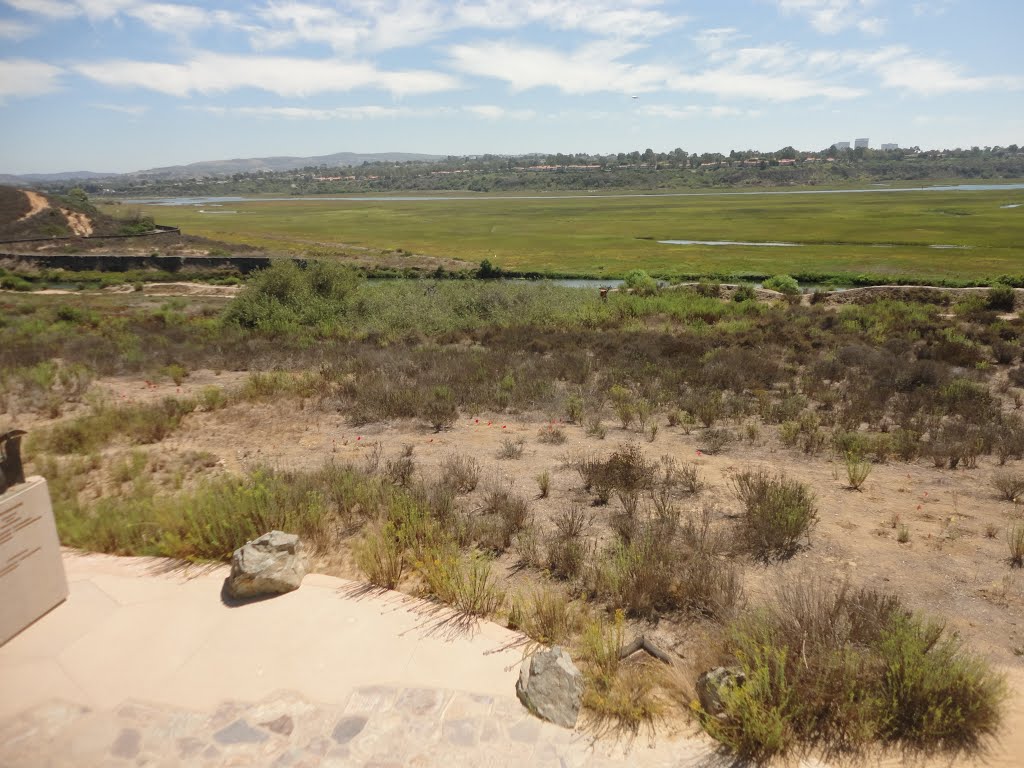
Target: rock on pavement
x,y
551,687
272,564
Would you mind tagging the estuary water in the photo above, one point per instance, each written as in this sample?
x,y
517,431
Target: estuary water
x,y
173,201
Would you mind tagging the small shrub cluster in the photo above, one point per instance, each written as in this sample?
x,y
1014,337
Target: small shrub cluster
x,y
777,512
842,670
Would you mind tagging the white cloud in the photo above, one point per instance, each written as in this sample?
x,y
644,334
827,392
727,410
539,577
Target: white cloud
x,y
494,112
106,9
932,7
310,113
899,68
219,73
771,73
693,110
168,17
591,68
15,30
364,112
26,77
389,24
714,42
832,16
53,9
135,110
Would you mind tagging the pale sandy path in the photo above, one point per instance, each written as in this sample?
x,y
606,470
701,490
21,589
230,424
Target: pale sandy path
x,y
146,665
36,203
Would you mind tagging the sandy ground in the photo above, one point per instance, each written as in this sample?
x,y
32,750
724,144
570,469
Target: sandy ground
x,y
79,222
36,203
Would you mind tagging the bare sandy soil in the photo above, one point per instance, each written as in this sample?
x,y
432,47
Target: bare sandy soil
x,y
36,203
79,222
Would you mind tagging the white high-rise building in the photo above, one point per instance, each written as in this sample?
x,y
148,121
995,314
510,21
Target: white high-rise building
x,y
860,144
842,145
890,146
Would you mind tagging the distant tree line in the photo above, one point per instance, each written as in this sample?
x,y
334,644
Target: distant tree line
x,y
636,170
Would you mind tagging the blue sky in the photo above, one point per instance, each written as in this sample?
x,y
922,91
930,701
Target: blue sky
x,y
121,85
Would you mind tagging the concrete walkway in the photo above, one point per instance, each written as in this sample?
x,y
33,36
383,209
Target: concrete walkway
x,y
146,664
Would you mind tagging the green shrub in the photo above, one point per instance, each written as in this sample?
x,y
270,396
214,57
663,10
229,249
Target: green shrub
x,y
783,284
459,472
546,616
508,512
744,293
857,470
842,671
544,483
381,556
778,512
1008,485
1000,298
640,283
1015,541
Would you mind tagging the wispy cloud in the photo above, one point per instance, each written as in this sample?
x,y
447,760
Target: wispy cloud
x,y
494,112
769,73
284,76
691,111
53,9
932,77
308,113
367,112
592,68
135,110
15,30
832,16
387,24
26,77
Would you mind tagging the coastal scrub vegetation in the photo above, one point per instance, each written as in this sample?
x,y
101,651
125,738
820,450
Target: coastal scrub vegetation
x,y
642,540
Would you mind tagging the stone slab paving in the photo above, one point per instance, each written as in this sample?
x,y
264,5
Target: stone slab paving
x,y
147,665
378,726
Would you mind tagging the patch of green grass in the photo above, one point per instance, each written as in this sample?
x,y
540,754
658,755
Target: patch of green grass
x,y
139,424
878,234
207,523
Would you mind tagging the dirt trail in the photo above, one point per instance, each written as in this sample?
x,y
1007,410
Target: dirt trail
x,y
36,203
78,222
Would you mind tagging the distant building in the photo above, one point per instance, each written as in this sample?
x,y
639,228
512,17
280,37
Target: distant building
x,y
842,145
860,144
890,146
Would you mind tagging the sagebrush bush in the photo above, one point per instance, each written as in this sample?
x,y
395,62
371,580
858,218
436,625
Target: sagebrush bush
x,y
546,616
1015,541
569,547
857,470
1000,298
778,512
511,448
460,472
1008,485
843,670
506,514
551,435
380,555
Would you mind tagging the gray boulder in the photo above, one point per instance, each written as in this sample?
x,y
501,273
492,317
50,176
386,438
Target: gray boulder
x,y
551,687
711,684
270,565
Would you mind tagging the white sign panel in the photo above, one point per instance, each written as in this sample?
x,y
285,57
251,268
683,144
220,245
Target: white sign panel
x,y
32,580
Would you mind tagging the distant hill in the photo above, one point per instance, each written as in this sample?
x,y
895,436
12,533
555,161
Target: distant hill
x,y
228,167
30,214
